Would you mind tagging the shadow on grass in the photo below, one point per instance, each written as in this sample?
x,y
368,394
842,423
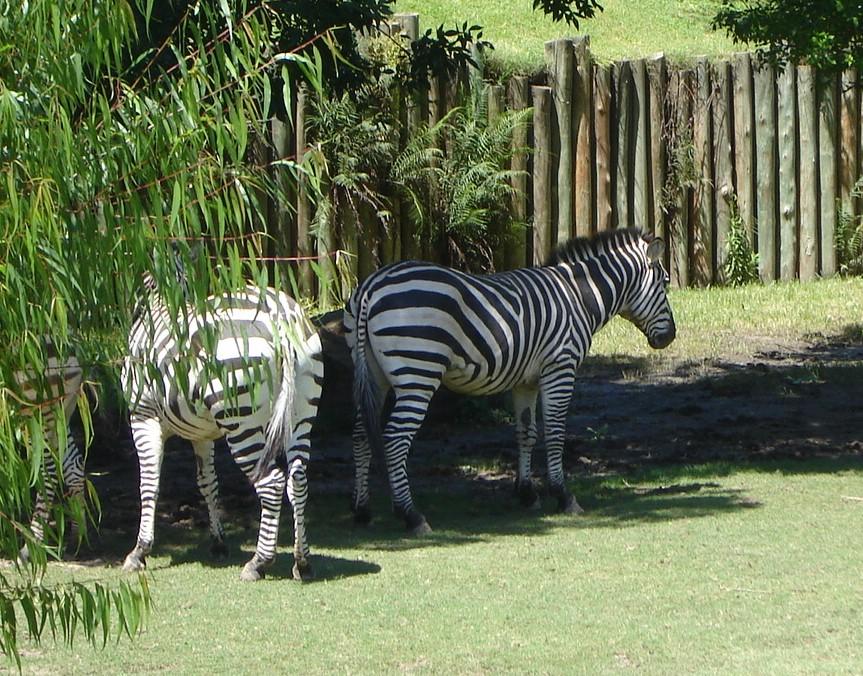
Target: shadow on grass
x,y
641,447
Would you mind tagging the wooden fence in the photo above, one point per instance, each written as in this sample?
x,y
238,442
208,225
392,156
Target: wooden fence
x,y
679,151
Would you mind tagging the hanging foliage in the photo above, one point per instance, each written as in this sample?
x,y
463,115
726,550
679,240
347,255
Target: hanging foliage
x,y
118,152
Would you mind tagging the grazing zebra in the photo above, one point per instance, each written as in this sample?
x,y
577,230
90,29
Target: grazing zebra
x,y
248,368
57,390
413,326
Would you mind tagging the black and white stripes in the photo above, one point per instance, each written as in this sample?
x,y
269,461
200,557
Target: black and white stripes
x,y
249,369
414,326
54,393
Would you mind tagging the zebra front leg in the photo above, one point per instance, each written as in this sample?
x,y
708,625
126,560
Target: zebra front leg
x,y
362,462
149,442
269,489
556,395
208,485
524,403
297,489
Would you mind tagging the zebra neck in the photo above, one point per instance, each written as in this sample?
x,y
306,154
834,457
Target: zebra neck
x,y
600,287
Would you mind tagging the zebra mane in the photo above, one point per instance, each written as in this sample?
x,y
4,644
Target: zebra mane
x,y
583,248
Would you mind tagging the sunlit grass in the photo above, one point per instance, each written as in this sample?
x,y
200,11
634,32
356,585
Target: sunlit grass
x,y
688,570
626,29
734,322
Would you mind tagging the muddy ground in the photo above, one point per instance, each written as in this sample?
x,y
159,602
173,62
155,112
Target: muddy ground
x,y
796,400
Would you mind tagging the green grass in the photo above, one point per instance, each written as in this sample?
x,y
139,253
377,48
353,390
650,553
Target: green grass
x,y
732,568
735,322
626,29
718,569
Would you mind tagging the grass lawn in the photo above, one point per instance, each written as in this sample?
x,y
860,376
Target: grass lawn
x,y
744,567
626,29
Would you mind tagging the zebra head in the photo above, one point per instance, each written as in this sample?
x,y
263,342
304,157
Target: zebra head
x,y
647,305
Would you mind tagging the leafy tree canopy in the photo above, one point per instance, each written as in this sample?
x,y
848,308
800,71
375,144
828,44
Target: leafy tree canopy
x,y
827,34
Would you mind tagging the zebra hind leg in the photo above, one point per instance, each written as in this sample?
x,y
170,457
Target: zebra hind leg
x,y
524,400
362,463
208,485
269,489
407,415
297,490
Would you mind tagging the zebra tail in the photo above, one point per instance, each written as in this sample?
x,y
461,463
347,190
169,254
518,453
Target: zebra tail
x,y
280,428
366,394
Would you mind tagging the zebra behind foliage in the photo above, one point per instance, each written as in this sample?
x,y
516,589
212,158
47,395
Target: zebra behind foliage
x,y
249,369
414,326
56,391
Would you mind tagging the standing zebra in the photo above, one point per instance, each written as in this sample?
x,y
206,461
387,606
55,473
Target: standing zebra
x,y
414,326
248,368
56,391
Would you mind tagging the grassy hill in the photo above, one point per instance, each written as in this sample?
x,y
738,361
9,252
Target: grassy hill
x,y
626,29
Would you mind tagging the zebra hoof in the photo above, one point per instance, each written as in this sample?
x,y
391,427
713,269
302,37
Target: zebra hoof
x,y
567,505
527,496
417,524
254,569
362,515
302,571
134,562
219,550
573,508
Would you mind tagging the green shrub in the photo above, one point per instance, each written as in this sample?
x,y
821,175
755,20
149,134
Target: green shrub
x,y
849,238
741,262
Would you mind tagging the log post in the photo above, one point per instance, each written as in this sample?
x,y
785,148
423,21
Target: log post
x,y
828,163
602,147
808,185
744,141
680,92
766,170
582,119
516,244
542,166
723,162
624,128
787,136
701,267
657,77
560,55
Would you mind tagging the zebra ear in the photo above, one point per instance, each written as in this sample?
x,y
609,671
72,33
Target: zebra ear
x,y
655,249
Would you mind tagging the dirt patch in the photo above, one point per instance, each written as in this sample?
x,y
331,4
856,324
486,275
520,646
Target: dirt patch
x,y
795,400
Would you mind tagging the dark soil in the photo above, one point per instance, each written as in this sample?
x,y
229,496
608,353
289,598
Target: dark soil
x,y
794,401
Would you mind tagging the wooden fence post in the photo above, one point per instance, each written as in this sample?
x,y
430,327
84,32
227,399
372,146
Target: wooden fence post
x,y
560,55
787,133
305,247
495,93
602,147
849,142
542,240
828,162
280,215
657,77
641,204
679,106
744,141
625,133
582,109
766,169
411,111
808,189
516,244
723,164
701,264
